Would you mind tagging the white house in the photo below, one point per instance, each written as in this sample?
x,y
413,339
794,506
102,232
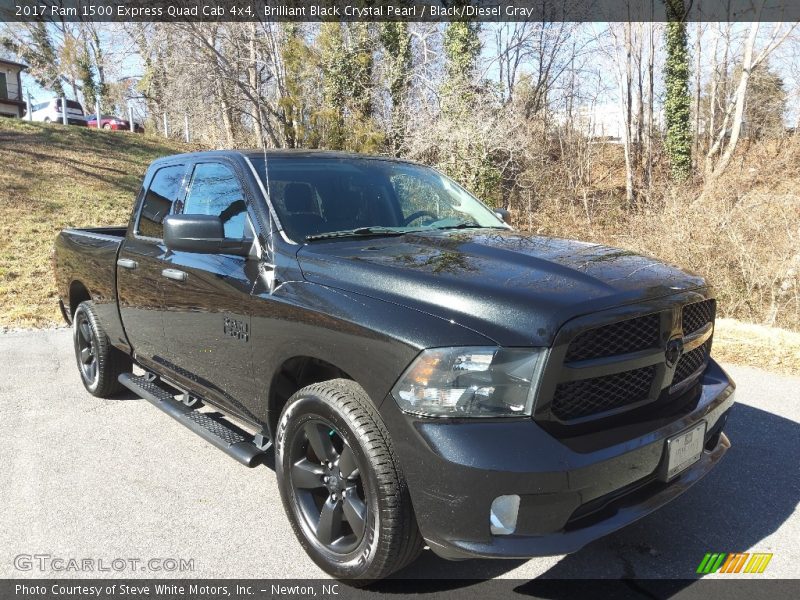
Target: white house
x,y
603,122
12,104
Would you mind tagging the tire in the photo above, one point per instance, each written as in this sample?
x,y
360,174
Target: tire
x,y
47,119
340,412
99,363
107,126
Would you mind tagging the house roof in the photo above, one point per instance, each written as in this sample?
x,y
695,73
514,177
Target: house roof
x,y
3,61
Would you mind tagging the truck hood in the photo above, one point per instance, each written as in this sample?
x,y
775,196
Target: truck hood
x,y
514,288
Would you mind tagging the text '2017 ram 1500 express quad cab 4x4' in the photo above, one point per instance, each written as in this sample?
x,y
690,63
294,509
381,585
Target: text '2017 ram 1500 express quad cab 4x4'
x,y
427,374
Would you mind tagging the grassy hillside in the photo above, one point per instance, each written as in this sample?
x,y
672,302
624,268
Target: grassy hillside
x,y
53,177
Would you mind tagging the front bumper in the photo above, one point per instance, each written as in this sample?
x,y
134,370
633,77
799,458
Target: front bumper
x,y
571,493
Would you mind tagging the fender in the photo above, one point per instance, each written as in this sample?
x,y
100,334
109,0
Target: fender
x,y
303,319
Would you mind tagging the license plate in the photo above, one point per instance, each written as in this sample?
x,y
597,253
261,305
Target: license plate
x,y
685,449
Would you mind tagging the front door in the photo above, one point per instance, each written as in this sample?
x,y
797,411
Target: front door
x,y
140,262
207,297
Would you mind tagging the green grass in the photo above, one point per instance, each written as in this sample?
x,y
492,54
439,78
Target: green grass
x,y
52,177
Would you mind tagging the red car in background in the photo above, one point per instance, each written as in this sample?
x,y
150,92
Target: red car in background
x,y
114,123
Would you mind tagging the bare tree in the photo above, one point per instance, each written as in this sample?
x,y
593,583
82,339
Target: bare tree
x,y
731,129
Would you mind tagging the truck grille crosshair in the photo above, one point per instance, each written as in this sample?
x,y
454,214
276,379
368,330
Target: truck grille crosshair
x,y
622,365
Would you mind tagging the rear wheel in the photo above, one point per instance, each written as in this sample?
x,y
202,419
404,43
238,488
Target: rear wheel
x,y
99,363
341,484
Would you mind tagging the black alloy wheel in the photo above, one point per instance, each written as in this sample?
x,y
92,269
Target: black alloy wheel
x,y
85,348
328,491
342,485
99,363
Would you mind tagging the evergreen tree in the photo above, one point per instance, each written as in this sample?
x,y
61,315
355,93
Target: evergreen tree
x,y
466,157
295,55
462,48
347,64
677,106
335,83
396,41
91,93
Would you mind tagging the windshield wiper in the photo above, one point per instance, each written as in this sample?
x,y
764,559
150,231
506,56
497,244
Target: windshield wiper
x,y
359,231
465,225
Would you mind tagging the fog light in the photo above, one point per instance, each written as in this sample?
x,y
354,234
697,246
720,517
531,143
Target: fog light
x,y
503,514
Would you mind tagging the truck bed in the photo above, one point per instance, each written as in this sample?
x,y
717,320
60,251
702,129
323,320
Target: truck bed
x,y
89,256
116,231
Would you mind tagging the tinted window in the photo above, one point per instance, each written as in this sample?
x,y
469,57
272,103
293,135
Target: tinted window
x,y
315,195
214,190
158,201
71,105
421,197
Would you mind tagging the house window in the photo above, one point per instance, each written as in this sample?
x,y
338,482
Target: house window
x,y
3,86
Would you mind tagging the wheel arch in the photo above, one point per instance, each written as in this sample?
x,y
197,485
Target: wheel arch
x,y
294,374
78,292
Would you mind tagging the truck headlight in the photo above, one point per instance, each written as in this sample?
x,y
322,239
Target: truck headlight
x,y
471,382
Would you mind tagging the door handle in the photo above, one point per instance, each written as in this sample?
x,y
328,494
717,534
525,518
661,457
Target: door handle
x,y
174,274
127,263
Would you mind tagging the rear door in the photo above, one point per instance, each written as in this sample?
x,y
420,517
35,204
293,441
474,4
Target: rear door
x,y
207,296
141,261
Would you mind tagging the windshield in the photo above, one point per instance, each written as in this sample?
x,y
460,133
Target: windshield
x,y
318,196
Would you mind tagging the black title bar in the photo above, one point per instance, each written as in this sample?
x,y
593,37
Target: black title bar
x,y
393,10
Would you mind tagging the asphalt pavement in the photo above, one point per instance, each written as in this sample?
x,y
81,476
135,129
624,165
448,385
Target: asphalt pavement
x,y
118,483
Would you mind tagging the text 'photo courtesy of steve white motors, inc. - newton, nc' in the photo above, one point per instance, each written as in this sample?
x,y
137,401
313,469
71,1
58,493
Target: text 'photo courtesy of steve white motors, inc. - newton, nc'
x,y
170,589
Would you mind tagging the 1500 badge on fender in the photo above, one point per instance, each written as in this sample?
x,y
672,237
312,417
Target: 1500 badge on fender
x,y
236,329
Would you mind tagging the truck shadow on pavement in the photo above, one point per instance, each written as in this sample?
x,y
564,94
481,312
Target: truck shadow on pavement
x,y
750,494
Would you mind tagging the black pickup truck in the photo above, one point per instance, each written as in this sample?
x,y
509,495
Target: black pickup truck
x,y
427,375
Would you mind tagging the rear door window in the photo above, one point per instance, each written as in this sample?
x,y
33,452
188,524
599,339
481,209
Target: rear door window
x,y
215,190
158,201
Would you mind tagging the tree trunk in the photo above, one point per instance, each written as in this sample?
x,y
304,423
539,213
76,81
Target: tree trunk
x,y
697,85
740,97
711,125
628,114
650,103
252,79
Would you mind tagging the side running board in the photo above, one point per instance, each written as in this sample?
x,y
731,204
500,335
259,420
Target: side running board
x,y
221,433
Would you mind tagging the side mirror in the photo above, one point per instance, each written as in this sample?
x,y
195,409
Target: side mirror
x,y
502,213
202,234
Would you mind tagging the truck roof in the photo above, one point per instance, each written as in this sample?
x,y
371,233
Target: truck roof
x,y
280,153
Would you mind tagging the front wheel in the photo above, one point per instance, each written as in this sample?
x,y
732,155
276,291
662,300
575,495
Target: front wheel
x,y
341,484
99,363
